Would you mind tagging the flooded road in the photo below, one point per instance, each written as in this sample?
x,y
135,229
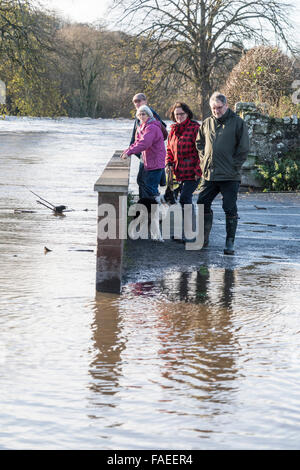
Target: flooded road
x,y
203,354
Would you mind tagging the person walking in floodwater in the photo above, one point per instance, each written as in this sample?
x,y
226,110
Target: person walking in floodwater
x,y
223,146
182,157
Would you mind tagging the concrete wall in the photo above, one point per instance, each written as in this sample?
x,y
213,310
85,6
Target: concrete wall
x,y
269,137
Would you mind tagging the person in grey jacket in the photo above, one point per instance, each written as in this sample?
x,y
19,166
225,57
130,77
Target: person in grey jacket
x,y
223,146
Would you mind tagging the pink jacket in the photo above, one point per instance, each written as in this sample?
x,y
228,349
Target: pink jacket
x,y
150,141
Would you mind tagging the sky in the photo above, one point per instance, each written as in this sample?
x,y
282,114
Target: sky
x,y
93,10
79,10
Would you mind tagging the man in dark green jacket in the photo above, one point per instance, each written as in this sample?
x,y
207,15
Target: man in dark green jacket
x,y
223,146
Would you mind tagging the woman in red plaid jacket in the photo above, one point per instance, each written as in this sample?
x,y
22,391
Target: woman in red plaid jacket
x,y
182,157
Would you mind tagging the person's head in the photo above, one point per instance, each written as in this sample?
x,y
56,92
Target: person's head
x,y
179,112
144,113
139,100
218,104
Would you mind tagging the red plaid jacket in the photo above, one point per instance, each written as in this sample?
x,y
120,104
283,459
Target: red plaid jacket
x,y
182,154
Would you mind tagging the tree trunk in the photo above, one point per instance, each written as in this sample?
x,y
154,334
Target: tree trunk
x,y
203,91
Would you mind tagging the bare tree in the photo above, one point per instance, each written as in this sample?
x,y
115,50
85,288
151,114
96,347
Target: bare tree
x,y
193,39
83,61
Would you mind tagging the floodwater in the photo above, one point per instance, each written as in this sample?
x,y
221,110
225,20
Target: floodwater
x,y
197,359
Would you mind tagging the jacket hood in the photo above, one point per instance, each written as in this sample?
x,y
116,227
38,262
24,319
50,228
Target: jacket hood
x,y
153,122
150,122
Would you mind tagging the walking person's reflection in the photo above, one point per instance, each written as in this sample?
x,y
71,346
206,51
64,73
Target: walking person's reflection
x,y
228,285
198,347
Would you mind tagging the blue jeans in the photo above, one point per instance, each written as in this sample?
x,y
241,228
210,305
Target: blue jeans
x,y
143,180
148,181
139,179
229,190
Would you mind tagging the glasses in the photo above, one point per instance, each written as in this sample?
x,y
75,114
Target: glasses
x,y
180,114
218,108
136,101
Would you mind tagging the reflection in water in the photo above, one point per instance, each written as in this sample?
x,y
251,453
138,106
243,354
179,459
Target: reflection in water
x,y
195,287
176,335
202,330
105,368
186,352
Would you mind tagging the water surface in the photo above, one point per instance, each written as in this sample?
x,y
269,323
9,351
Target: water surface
x,y
199,358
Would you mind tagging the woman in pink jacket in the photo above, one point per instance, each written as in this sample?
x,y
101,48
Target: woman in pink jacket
x,y
149,142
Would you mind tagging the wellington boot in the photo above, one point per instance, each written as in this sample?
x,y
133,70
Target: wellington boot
x,y
231,225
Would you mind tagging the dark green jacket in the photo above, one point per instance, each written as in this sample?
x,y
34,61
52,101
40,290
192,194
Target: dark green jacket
x,y
223,146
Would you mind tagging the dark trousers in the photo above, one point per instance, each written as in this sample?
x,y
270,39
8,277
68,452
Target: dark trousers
x,y
148,181
139,178
188,187
229,190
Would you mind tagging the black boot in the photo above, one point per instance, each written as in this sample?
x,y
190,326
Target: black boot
x,y
208,220
231,225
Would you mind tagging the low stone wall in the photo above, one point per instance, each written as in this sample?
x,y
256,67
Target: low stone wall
x,y
112,189
270,138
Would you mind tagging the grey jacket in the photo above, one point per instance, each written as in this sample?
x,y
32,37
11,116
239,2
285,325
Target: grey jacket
x,y
223,146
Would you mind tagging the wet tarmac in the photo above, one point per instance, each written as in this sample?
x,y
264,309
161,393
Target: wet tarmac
x,y
268,233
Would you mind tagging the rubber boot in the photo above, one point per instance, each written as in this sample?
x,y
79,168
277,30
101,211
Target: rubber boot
x,y
208,220
231,225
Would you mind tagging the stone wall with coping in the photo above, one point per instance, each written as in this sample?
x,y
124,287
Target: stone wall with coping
x,y
112,188
270,138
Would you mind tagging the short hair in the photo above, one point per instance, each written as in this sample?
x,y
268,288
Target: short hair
x,y
217,96
185,108
139,96
146,110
